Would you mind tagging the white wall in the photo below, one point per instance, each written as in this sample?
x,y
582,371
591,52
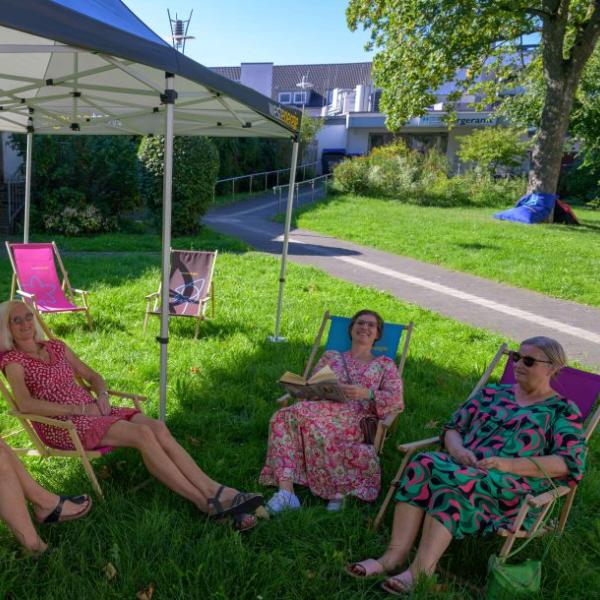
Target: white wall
x,y
358,141
331,136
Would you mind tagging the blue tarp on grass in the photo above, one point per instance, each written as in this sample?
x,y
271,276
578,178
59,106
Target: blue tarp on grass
x,y
530,209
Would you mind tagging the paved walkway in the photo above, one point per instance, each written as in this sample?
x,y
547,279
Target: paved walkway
x,y
512,312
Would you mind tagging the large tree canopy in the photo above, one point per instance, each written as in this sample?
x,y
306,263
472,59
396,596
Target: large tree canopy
x,y
477,44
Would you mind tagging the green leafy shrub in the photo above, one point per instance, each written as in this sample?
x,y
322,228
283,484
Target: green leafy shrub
x,y
77,171
352,175
195,169
492,148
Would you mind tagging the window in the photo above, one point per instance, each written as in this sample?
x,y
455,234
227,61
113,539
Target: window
x,y
329,96
285,97
299,97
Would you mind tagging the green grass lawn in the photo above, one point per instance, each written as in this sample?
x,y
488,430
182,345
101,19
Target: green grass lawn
x,y
221,396
557,260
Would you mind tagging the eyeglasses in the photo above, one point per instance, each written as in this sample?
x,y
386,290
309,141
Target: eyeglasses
x,y
528,361
362,323
20,320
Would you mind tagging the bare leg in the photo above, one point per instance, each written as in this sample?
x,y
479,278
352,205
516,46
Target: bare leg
x,y
13,506
434,541
287,485
184,462
131,435
405,527
44,502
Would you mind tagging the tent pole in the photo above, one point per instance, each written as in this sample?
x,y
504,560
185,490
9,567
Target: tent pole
x,y
286,236
169,100
27,207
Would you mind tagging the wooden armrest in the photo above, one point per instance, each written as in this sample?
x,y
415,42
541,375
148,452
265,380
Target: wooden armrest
x,y
44,420
26,294
283,400
412,446
388,421
543,499
126,395
152,295
78,291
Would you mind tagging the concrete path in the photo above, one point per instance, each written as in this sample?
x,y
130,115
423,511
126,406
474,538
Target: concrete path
x,y
512,312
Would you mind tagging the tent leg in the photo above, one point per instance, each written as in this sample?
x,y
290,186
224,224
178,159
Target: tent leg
x,y
163,338
288,220
27,207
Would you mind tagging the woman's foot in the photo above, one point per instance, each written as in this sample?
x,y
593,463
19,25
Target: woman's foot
x,y
336,504
63,508
399,585
229,502
283,500
390,562
244,521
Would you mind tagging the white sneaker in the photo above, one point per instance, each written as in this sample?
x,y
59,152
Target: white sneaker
x,y
336,504
283,500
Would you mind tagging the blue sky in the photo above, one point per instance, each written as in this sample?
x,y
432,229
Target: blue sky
x,y
229,32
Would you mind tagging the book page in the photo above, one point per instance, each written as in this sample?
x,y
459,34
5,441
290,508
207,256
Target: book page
x,y
292,378
324,375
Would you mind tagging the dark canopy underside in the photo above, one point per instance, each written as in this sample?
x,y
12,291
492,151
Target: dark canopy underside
x,y
93,67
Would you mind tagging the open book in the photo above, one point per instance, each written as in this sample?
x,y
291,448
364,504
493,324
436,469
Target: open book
x,y
323,385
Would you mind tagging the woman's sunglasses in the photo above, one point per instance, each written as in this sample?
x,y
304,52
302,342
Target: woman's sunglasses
x,y
528,361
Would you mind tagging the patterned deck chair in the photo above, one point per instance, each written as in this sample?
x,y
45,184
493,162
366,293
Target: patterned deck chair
x,y
338,339
29,421
191,287
581,387
36,280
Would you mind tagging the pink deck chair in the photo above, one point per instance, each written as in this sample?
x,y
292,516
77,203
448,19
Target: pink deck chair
x,y
191,287
580,387
35,279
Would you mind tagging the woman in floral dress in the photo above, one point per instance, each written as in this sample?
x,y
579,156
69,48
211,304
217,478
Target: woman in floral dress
x,y
42,376
478,484
320,444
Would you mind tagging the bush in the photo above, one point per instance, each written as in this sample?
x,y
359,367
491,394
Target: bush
x,y
352,175
195,169
396,172
78,171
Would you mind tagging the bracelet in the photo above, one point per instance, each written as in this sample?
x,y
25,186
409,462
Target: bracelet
x,y
371,395
83,406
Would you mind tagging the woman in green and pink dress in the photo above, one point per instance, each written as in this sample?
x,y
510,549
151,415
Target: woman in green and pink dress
x,y
321,444
476,485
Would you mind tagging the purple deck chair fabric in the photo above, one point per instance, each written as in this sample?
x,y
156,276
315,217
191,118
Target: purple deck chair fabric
x,y
580,387
530,209
36,274
189,281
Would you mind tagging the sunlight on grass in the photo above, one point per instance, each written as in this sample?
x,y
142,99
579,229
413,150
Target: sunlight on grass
x,y
557,260
221,395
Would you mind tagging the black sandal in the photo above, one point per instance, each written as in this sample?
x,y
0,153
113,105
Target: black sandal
x,y
56,515
242,503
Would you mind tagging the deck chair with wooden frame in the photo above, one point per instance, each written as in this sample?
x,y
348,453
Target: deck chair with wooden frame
x,y
28,422
338,339
35,279
583,389
191,287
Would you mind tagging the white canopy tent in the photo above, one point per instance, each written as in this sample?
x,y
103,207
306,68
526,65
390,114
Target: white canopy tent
x,y
74,68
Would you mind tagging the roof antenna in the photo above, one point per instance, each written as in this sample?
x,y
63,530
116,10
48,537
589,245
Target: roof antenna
x,y
179,29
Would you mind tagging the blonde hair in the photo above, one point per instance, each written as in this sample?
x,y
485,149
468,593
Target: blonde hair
x,y
551,348
6,338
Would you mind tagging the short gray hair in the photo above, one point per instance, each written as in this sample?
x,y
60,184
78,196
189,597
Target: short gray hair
x,y
6,338
551,348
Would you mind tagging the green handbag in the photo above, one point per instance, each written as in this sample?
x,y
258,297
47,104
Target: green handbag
x,y
513,581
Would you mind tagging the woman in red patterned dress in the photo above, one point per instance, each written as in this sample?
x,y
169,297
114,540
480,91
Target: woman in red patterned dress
x,y
321,444
42,376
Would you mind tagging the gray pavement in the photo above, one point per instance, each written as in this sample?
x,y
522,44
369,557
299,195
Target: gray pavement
x,y
513,312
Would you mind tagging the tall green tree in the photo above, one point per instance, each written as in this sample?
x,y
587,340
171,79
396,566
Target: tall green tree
x,y
422,44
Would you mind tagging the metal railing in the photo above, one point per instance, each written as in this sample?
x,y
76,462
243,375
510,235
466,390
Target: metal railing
x,y
15,198
260,181
311,188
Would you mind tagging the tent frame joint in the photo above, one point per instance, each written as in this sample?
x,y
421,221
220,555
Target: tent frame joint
x,y
168,97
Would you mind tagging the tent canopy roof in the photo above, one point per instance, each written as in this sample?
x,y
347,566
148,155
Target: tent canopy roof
x,y
93,67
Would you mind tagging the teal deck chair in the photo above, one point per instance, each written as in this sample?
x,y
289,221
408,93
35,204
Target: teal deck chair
x,y
338,339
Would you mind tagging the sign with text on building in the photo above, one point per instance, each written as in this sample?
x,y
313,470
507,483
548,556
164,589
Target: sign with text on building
x,y
470,119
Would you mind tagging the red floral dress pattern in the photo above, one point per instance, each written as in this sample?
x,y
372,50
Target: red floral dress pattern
x,y
320,444
54,381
